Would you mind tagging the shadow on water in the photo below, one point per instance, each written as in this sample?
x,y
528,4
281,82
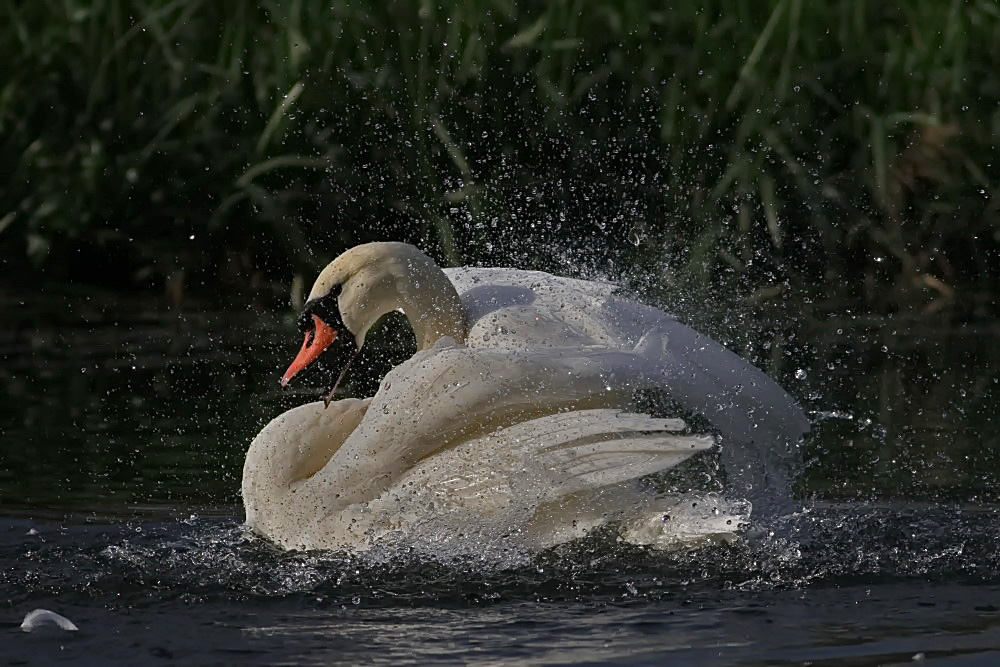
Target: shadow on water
x,y
123,437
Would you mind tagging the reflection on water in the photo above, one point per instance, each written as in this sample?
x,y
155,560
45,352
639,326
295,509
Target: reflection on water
x,y
123,434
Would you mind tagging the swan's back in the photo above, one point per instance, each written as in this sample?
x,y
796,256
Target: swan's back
x,y
510,308
513,309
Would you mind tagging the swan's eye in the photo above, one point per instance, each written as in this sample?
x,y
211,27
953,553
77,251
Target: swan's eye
x,y
305,321
326,307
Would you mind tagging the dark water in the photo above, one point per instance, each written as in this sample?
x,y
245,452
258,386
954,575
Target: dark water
x,y
123,431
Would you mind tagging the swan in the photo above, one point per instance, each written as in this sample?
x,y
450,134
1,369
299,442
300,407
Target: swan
x,y
512,419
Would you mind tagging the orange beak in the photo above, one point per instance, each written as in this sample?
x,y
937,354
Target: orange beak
x,y
315,342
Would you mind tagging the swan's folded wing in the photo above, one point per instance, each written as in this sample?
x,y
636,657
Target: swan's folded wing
x,y
617,459
545,458
452,393
596,448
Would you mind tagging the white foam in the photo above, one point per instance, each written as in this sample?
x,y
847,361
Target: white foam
x,y
41,618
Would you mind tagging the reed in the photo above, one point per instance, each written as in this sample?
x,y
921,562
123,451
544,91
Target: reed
x,y
831,151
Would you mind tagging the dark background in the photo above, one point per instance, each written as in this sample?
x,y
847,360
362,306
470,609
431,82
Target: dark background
x,y
841,151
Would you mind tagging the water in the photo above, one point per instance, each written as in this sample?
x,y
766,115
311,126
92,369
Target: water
x,y
123,434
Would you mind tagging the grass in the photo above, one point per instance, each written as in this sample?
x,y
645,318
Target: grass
x,y
841,151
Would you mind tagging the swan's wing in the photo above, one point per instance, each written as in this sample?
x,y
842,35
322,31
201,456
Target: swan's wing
x,y
543,459
529,309
447,395
540,482
534,484
590,449
703,376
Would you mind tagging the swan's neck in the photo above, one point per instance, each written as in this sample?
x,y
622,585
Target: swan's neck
x,y
401,278
433,307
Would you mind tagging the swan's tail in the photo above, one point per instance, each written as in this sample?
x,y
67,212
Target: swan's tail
x,y
686,520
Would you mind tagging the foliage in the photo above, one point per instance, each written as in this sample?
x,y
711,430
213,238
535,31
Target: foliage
x,y
838,150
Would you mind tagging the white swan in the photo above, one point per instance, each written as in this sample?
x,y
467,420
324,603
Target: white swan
x,y
509,419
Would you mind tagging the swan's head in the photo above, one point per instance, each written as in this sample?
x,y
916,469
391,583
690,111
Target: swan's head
x,y
368,281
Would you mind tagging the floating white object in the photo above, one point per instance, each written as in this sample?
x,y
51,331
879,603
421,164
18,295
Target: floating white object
x,y
40,618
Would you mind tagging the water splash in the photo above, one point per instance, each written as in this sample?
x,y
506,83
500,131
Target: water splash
x,y
216,559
